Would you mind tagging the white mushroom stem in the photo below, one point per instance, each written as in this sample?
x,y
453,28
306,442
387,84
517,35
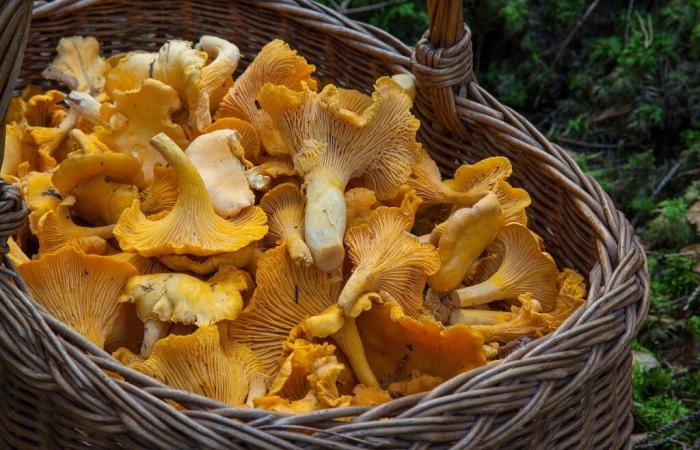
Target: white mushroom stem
x,y
153,330
257,388
324,222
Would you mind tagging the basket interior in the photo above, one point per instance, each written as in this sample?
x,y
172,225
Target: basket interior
x,y
121,26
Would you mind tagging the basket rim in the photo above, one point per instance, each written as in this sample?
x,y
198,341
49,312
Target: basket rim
x,y
628,273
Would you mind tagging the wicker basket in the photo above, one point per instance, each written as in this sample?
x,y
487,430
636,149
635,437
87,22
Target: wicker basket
x,y
571,389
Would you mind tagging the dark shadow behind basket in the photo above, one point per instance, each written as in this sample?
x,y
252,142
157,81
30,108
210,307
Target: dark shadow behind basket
x,y
571,389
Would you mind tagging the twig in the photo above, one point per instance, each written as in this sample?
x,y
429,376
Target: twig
x,y
573,32
630,5
589,144
369,8
691,298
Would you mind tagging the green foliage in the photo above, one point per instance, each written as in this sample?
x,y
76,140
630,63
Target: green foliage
x,y
694,328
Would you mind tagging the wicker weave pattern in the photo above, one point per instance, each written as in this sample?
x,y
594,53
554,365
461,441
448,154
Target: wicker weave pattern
x,y
568,390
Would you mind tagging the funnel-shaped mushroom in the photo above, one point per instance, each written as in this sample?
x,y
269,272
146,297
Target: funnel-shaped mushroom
x,y
396,345
192,226
277,64
249,136
524,268
138,115
210,264
214,156
468,232
56,228
87,144
43,109
360,203
63,281
306,381
331,145
176,297
284,206
50,138
525,321
78,65
204,363
21,154
387,258
285,296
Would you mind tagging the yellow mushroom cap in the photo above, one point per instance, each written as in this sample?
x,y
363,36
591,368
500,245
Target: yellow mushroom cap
x,y
62,281
284,206
572,293
467,233
416,382
78,65
217,74
214,156
203,363
131,70
42,109
41,196
117,166
278,64
387,258
101,202
192,226
19,149
396,344
306,381
523,268
138,115
177,297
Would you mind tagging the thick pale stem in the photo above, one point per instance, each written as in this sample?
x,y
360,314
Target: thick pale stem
x,y
359,282
153,330
257,388
324,222
348,339
479,317
298,249
478,294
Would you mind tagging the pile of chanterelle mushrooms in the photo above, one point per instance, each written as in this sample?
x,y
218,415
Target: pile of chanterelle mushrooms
x,y
267,240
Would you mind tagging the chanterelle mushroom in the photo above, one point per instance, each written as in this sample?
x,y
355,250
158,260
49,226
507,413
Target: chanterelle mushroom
x,y
284,206
176,297
138,115
206,364
524,268
56,228
78,65
396,344
467,233
192,226
387,258
62,282
331,145
216,157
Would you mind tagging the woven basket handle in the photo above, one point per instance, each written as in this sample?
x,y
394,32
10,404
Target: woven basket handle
x,y
442,64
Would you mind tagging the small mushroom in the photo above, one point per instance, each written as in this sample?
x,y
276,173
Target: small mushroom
x,y
284,206
78,65
524,268
386,257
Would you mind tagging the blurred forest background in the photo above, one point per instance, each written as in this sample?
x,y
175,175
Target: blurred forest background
x,y
617,83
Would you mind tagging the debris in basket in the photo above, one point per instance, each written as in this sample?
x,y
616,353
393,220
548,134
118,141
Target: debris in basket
x,y
262,239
